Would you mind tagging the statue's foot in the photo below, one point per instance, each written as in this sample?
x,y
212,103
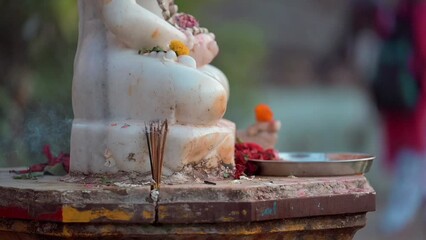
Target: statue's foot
x,y
190,62
148,88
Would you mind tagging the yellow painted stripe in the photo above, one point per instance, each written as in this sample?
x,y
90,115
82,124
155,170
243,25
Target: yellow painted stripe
x,y
148,214
70,214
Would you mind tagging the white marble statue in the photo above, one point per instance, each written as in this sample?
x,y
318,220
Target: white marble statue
x,y
118,88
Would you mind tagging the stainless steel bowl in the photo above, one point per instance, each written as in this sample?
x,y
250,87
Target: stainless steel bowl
x,y
315,164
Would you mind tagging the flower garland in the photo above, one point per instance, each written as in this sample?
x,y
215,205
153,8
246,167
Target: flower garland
x,y
263,113
181,21
179,47
245,151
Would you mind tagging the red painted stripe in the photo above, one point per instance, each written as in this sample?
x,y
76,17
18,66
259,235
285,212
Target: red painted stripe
x,y
13,212
55,217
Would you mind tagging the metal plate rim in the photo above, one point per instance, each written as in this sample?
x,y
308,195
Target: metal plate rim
x,y
366,157
341,164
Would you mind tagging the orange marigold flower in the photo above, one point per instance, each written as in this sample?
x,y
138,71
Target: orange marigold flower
x,y
179,47
263,113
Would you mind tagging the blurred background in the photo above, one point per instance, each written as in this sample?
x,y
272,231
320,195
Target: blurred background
x,y
313,61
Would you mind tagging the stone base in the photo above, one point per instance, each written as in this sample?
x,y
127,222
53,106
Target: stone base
x,y
262,208
111,147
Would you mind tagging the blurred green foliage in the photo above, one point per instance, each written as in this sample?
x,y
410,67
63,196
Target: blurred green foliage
x,y
242,55
37,46
241,58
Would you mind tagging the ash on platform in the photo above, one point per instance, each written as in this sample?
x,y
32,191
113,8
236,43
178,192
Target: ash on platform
x,y
189,174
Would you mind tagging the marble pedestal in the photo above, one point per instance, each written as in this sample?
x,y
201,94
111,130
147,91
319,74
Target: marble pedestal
x,y
263,208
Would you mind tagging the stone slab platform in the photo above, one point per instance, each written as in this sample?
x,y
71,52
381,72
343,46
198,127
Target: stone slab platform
x,y
49,207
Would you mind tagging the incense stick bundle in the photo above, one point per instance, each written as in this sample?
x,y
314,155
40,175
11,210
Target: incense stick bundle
x,y
156,136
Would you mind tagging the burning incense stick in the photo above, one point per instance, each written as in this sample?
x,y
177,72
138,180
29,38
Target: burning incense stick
x,y
156,140
149,149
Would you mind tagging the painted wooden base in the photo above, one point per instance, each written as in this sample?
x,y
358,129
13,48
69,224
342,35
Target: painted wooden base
x,y
262,208
341,227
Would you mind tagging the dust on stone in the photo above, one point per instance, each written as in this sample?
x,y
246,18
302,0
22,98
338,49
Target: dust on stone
x,y
121,179
192,173
199,173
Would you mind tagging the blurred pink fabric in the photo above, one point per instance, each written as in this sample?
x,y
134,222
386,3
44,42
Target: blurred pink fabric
x,y
408,130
